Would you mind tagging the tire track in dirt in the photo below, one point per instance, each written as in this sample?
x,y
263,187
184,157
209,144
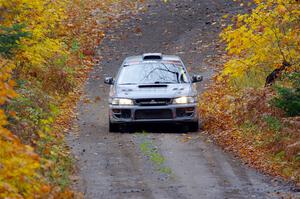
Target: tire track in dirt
x,y
111,165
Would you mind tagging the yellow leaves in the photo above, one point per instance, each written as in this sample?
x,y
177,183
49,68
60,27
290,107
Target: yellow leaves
x,y
262,39
234,68
281,9
257,43
49,64
18,163
2,118
43,19
225,16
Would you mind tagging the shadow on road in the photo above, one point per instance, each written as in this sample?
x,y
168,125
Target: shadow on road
x,y
156,128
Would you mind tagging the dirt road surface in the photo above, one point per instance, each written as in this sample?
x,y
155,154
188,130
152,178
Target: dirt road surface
x,y
163,162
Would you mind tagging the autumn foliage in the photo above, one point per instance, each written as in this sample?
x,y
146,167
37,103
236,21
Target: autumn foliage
x,y
261,41
243,115
19,163
47,49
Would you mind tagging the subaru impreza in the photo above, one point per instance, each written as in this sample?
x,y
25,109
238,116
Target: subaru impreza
x,y
153,88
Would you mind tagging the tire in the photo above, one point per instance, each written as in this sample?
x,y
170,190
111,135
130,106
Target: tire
x,y
193,126
114,127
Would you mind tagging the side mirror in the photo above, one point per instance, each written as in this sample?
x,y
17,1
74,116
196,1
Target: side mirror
x,y
109,80
197,78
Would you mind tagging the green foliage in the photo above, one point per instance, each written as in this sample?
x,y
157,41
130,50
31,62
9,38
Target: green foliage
x,y
249,126
280,155
273,123
289,97
34,110
10,37
75,46
54,149
263,39
42,47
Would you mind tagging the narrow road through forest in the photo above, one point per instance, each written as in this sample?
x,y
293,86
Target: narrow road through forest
x,y
161,162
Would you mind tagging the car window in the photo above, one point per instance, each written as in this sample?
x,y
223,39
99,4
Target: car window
x,y
152,73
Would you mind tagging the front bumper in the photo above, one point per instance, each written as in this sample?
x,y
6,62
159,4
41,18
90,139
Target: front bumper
x,y
167,113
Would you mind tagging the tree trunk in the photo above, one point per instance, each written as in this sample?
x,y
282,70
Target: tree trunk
x,y
276,73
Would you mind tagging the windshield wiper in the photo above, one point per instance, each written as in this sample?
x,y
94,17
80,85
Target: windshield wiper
x,y
159,82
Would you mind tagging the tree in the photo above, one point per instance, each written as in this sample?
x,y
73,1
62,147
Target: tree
x,y
266,39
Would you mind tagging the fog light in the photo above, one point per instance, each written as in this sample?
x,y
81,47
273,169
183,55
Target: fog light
x,y
116,111
190,109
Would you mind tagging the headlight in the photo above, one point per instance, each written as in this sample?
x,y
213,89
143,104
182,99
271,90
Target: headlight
x,y
184,100
121,101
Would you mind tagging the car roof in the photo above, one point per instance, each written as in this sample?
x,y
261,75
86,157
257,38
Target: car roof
x,y
141,58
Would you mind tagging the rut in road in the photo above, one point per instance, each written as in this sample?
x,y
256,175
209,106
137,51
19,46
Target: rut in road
x,y
115,165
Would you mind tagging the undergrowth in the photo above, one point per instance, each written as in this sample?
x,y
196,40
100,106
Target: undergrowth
x,y
253,118
47,49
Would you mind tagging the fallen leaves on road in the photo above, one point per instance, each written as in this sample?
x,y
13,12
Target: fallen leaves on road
x,y
238,111
49,47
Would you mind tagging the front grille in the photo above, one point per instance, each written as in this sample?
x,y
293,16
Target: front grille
x,y
153,102
153,114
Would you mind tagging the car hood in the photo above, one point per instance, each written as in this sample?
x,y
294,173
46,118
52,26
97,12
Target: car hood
x,y
169,91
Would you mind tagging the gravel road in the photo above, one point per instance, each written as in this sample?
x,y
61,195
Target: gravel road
x,y
161,162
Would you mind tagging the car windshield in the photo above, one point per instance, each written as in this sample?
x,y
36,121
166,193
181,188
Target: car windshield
x,y
153,73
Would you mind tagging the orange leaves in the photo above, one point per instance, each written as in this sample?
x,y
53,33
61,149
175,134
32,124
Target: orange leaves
x,y
242,121
19,166
281,9
6,86
18,163
52,64
218,113
6,83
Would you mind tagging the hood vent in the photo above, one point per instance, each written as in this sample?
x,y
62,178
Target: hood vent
x,y
153,86
152,56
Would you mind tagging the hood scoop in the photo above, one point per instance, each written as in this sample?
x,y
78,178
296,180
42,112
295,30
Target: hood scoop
x,y
153,86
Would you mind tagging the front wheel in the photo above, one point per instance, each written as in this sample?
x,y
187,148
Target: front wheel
x,y
113,127
193,126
